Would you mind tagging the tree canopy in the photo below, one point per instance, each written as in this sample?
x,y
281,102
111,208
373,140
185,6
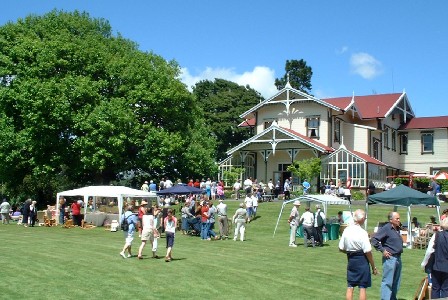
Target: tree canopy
x,y
223,102
299,76
306,168
79,105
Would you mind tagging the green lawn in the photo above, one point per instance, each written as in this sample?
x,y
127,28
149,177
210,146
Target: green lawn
x,y
58,263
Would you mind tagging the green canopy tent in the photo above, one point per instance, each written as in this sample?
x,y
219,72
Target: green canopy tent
x,y
404,196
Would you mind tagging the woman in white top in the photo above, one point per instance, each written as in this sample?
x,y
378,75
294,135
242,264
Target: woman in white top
x,y
147,232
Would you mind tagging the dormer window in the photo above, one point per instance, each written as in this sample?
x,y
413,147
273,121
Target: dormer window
x,y
268,123
312,125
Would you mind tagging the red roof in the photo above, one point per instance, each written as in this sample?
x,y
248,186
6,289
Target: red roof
x,y
369,107
427,123
341,102
368,158
310,140
247,123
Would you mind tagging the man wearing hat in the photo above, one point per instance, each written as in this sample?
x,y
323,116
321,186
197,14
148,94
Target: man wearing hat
x,y
293,223
145,186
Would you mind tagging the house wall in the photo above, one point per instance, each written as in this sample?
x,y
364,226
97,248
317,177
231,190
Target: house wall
x,y
296,120
417,162
389,156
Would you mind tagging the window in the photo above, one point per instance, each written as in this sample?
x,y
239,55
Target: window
x,y
337,130
283,167
268,123
376,149
394,140
427,142
404,143
386,137
312,124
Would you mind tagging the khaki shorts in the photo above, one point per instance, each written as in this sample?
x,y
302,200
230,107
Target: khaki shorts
x,y
148,235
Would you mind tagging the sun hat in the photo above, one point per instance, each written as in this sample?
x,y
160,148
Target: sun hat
x,y
297,202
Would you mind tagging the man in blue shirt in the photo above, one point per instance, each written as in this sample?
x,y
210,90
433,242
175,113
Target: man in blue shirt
x,y
306,187
388,240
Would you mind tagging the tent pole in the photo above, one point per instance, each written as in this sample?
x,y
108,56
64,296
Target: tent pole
x,y
367,215
57,209
279,215
409,242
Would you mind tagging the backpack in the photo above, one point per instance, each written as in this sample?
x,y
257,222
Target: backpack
x,y
125,224
320,220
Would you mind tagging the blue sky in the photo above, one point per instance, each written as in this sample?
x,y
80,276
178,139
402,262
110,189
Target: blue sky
x,y
361,47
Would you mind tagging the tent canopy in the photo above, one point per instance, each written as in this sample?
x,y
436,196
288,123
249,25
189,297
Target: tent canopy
x,y
403,196
323,199
119,192
180,189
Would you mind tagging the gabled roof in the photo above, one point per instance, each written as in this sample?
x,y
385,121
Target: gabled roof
x,y
247,123
374,106
309,140
287,96
367,158
276,134
362,156
426,123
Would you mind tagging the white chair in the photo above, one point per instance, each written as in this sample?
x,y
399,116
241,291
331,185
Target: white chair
x,y
114,226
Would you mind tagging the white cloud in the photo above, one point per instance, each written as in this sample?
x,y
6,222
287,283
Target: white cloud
x,y
365,65
342,50
260,78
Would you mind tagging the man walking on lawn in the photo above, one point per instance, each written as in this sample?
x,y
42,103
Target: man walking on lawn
x,y
388,240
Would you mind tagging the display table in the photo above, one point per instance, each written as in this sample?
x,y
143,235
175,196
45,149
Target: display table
x,y
96,219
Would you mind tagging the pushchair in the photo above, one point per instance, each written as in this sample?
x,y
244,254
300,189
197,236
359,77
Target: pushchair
x,y
194,225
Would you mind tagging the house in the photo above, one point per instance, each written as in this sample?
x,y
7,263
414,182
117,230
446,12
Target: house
x,y
365,137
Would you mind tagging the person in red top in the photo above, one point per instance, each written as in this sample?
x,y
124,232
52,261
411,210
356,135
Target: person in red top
x,y
204,220
197,184
190,182
76,212
141,212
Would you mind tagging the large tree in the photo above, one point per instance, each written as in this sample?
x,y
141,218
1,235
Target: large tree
x,y
223,102
79,105
299,76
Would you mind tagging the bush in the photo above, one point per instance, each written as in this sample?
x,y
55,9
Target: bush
x,y
357,195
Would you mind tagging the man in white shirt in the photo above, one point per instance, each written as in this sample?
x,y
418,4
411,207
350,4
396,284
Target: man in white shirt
x,y
271,186
319,223
237,188
287,189
293,221
355,242
168,183
249,207
255,204
221,209
307,221
248,185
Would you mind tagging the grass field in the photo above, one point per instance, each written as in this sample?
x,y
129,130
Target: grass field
x,y
58,263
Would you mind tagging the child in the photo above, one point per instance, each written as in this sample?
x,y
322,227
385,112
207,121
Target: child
x,y
170,223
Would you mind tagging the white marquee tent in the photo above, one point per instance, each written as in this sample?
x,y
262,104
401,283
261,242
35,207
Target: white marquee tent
x,y
119,192
307,199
